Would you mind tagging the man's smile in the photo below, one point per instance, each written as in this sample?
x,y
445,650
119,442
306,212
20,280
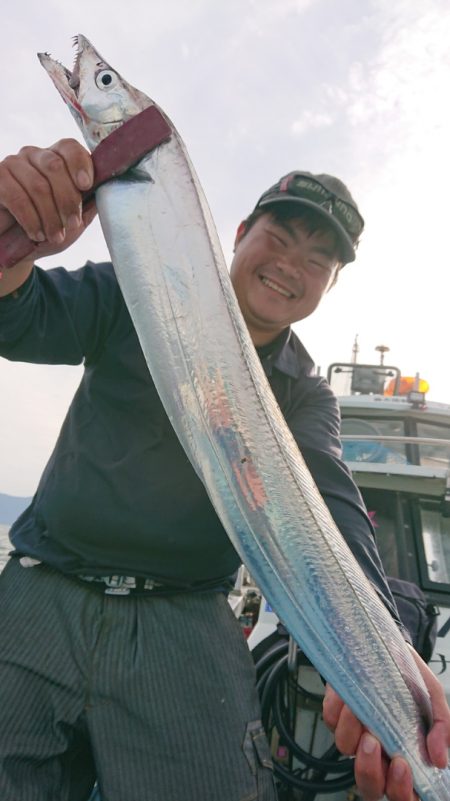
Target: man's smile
x,y
269,282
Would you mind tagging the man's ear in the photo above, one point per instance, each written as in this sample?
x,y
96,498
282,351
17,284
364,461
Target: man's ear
x,y
241,231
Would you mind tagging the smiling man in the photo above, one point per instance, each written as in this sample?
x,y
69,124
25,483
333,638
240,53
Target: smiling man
x,y
288,253
119,655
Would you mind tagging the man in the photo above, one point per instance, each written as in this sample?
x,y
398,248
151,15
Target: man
x,y
119,655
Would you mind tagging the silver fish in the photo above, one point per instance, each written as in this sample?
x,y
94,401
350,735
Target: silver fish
x,y
172,274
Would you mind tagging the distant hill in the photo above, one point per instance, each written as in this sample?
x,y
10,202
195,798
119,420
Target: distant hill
x,y
11,507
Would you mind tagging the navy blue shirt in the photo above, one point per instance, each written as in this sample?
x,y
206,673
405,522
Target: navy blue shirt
x,y
119,494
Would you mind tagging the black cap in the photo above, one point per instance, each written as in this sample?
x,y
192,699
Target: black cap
x,y
329,197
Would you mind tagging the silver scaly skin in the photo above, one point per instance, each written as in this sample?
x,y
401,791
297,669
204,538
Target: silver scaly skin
x,y
170,267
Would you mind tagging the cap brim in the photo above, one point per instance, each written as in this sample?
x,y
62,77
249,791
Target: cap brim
x,y
347,247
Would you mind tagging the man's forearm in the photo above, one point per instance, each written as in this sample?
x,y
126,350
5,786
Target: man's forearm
x,y
13,278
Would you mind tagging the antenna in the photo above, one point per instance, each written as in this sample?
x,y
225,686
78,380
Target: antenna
x,y
355,350
382,349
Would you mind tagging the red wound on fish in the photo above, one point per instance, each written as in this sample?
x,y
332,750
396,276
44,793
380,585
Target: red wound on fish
x,y
113,156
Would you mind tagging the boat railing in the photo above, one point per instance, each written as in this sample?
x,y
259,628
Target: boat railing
x,y
400,449
403,439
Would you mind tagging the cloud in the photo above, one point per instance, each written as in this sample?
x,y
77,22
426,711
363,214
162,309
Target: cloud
x,y
310,119
405,82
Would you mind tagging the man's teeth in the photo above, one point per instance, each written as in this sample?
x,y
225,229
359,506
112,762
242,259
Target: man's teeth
x,y
276,287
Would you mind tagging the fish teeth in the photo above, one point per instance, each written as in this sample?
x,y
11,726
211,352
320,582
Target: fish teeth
x,y
76,44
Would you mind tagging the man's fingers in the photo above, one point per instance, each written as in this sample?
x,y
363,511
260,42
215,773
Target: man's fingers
x,y
399,786
331,708
438,740
437,744
340,720
78,162
6,220
47,249
41,188
376,776
348,732
59,197
370,769
16,200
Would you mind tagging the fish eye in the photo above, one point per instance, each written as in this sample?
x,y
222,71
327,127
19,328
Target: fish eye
x,y
105,79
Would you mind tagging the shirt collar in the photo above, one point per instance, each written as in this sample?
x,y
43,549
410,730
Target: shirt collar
x,y
287,354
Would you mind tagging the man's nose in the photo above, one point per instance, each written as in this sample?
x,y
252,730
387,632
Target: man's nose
x,y
291,262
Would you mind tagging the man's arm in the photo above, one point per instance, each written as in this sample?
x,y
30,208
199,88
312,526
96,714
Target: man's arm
x,y
40,188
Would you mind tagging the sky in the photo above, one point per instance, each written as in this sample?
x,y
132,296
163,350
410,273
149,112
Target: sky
x,y
258,88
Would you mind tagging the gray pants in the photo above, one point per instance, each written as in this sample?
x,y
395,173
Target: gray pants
x,y
154,696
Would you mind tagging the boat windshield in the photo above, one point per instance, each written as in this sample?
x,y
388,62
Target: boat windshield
x,y
372,441
402,441
434,453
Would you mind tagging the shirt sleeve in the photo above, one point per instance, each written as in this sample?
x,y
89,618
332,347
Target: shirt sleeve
x,y
316,427
59,317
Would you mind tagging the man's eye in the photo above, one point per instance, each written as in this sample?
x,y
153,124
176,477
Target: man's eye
x,y
318,265
277,237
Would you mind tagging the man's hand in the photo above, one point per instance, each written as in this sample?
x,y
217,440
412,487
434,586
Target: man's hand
x,y
41,189
375,774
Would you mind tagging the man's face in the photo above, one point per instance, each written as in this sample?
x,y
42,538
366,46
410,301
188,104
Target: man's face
x,y
280,273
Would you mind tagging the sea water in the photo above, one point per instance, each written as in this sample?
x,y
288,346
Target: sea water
x,y
5,545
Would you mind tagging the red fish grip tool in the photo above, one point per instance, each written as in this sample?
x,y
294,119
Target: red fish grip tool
x,y
112,157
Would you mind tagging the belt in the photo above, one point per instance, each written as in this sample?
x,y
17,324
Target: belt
x,y
124,585
128,585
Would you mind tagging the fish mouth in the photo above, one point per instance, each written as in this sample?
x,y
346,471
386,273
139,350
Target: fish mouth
x,y
97,96
68,82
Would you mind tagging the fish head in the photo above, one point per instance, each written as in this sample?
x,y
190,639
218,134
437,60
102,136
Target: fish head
x,y
98,97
